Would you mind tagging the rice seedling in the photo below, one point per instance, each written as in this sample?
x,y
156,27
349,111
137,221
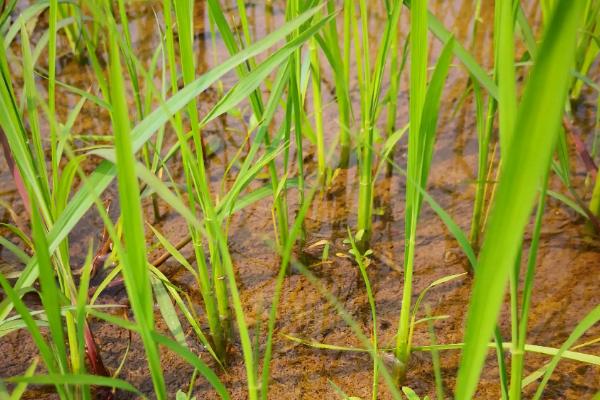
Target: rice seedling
x,y
280,206
199,194
499,250
135,283
293,104
72,340
133,253
370,82
424,107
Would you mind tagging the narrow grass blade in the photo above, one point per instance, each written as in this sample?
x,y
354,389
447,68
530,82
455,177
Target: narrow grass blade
x,y
133,252
592,318
76,379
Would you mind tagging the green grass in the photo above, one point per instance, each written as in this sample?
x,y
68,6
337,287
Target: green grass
x,y
319,83
370,85
132,254
424,109
517,187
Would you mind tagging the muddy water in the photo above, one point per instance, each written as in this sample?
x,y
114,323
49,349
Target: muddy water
x,y
565,287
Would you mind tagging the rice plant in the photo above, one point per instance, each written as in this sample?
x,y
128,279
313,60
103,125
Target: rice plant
x,y
424,108
370,81
500,248
309,103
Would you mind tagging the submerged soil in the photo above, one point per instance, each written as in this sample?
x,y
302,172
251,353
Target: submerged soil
x,y
566,282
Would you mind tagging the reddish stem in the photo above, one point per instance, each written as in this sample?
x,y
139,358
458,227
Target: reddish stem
x,y
15,172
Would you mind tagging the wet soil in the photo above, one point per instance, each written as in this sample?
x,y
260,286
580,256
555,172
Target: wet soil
x,y
566,284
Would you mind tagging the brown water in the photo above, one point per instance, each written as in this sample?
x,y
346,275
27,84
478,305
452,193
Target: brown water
x,y
567,271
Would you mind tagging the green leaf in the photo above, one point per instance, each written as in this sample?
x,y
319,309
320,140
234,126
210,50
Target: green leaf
x,y
75,379
132,253
410,394
590,319
168,311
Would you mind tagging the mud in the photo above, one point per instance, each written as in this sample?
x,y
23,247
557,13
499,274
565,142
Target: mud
x,y
566,282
